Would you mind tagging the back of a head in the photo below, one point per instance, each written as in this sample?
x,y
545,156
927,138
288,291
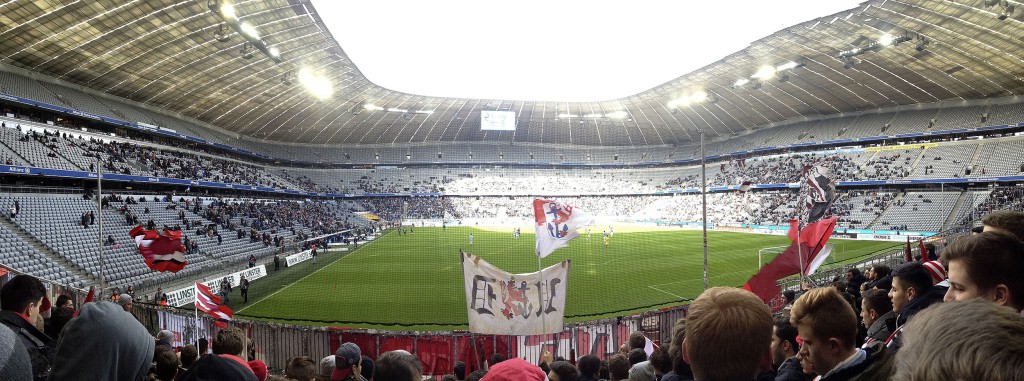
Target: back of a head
x,y
827,314
113,344
397,366
477,375
913,275
642,372
59,317
618,367
589,365
166,364
675,349
969,340
565,371
1007,221
228,342
19,292
990,259
637,340
460,370
636,355
496,358
728,334
300,368
189,354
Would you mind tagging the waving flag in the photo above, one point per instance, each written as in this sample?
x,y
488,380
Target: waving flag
x,y
556,224
163,251
805,254
207,302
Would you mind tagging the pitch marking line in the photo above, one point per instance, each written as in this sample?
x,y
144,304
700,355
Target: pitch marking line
x,y
310,274
674,295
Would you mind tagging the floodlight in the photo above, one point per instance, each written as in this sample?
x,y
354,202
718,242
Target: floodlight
x,y
249,30
318,85
741,82
886,39
228,10
765,72
617,114
698,97
786,66
274,52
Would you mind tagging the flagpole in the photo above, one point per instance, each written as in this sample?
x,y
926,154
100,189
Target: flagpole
x,y
99,210
196,310
704,206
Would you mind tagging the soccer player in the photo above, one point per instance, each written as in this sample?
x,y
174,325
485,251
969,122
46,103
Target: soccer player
x,y
605,240
471,239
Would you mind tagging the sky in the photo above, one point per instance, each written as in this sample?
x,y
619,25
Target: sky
x,y
554,50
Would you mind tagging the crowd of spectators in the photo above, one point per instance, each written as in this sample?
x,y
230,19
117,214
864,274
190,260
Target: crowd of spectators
x,y
956,318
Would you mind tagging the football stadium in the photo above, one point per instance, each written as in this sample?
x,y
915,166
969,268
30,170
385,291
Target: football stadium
x,y
315,189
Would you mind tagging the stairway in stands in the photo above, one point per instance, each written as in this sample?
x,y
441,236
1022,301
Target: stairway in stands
x,y
70,267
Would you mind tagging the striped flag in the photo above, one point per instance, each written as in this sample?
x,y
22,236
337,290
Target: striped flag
x,y
207,302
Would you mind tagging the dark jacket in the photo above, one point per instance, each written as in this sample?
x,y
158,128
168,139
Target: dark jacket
x,y
876,367
790,370
853,287
41,348
879,330
931,296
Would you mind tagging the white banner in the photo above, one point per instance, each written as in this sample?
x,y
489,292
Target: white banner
x,y
502,303
186,296
183,328
294,259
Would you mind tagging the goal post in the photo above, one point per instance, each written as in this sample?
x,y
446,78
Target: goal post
x,y
769,253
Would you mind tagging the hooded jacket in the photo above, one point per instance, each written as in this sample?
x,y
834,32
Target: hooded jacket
x,y
879,330
103,343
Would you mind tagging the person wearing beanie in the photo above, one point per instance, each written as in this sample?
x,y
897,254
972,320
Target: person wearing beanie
x,y
514,369
165,338
325,368
259,368
642,371
115,346
217,368
125,301
14,362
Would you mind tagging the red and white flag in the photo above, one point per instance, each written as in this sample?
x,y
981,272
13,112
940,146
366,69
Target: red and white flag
x,y
207,302
162,250
556,224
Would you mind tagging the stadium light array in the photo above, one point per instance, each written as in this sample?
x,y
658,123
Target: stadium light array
x,y
764,73
884,41
229,14
689,99
318,85
617,114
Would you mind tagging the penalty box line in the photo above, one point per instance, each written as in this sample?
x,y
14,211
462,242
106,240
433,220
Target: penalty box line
x,y
310,274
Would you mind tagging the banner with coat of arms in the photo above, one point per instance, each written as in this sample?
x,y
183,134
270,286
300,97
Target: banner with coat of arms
x,y
503,303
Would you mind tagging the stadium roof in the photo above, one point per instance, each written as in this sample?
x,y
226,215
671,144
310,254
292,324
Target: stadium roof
x,y
166,53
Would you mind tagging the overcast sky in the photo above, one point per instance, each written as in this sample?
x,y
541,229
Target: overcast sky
x,y
551,50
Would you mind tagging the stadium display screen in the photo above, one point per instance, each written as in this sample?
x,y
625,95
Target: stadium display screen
x,y
498,120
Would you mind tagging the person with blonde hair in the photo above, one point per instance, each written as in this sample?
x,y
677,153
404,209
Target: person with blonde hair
x,y
828,328
728,335
969,340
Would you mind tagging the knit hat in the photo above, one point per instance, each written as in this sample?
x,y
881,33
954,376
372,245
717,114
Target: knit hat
x,y
14,362
515,369
936,270
259,368
326,366
213,367
347,356
165,336
124,299
642,371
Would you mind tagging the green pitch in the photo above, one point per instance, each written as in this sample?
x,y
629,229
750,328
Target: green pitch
x,y
414,282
